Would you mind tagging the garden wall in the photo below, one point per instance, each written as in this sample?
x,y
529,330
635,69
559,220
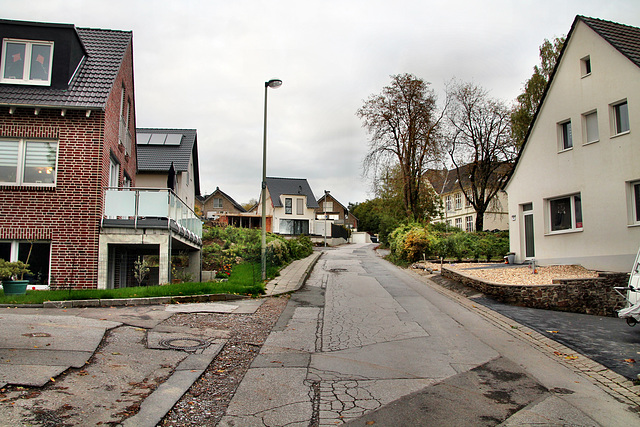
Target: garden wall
x,y
594,296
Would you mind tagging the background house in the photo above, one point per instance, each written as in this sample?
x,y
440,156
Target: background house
x,y
224,210
336,212
456,209
290,206
574,196
67,108
158,149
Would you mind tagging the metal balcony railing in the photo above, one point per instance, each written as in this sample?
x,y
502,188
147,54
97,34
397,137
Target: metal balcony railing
x,y
138,204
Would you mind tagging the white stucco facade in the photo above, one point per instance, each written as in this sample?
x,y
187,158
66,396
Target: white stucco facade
x,y
580,200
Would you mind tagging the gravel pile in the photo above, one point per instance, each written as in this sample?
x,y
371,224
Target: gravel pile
x,y
207,400
525,275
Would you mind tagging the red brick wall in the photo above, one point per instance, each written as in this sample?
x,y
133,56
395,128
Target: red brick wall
x,y
69,214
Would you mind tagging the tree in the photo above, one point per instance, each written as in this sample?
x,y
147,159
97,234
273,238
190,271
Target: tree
x,y
528,101
404,125
480,145
250,204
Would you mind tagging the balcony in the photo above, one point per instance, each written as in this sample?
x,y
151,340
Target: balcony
x,y
158,208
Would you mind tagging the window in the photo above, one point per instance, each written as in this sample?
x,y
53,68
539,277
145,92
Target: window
x,y
114,173
634,193
299,206
585,65
565,136
467,202
449,223
458,197
448,203
565,213
469,223
590,121
328,206
287,206
28,162
217,203
35,252
459,223
26,62
620,113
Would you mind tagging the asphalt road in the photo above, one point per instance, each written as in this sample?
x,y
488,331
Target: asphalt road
x,y
607,340
367,343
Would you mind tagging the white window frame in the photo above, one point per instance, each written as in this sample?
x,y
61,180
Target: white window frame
x,y
458,200
633,202
217,202
585,66
459,223
616,125
21,166
588,120
576,226
448,203
565,135
468,223
467,202
299,206
27,62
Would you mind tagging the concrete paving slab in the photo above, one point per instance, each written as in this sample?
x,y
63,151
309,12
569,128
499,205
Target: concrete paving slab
x,y
273,397
551,411
158,403
44,357
237,306
28,375
419,358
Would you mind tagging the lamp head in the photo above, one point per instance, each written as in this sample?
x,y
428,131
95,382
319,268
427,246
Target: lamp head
x,y
273,83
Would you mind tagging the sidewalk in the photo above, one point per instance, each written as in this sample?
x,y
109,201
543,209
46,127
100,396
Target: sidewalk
x,y
293,276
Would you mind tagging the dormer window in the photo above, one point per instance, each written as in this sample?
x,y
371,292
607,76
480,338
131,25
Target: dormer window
x,y
26,62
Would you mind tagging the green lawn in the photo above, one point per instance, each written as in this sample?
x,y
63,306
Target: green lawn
x,y
244,280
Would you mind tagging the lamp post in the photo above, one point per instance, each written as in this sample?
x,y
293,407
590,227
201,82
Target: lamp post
x,y
324,205
274,84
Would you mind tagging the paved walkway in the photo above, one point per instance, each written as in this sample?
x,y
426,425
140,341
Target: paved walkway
x,y
39,343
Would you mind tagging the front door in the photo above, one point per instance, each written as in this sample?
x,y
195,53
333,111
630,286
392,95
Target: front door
x,y
529,247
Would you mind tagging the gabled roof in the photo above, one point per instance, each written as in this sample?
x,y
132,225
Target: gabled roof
x,y
226,196
334,199
445,181
624,38
158,148
290,186
91,84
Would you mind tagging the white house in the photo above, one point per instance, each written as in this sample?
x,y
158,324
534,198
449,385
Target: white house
x,y
574,196
290,206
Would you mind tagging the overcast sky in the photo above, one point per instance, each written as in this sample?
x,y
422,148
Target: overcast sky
x,y
203,64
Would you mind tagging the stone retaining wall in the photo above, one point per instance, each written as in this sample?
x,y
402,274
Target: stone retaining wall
x,y
594,296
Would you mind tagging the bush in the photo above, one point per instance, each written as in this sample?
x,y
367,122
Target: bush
x,y
410,242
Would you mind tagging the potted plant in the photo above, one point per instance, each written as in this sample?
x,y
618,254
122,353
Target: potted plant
x,y
11,275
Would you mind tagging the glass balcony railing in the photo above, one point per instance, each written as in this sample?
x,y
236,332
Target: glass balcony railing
x,y
136,205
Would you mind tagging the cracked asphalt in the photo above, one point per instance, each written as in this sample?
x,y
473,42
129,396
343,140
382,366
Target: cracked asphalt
x,y
366,343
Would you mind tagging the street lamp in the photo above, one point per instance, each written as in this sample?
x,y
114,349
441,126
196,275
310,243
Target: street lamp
x,y
274,84
324,205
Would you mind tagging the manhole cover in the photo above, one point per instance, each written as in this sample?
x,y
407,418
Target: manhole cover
x,y
186,344
37,335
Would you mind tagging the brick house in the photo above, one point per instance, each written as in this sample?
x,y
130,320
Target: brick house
x,y
67,114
